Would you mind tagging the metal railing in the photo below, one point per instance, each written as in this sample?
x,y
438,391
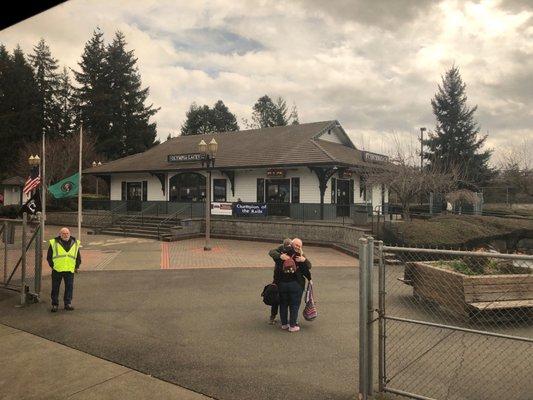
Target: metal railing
x,y
22,257
170,218
355,213
124,223
110,218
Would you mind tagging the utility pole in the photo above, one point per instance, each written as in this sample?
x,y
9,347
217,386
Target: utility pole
x,y
422,130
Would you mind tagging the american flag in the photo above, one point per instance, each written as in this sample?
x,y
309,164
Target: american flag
x,y
33,181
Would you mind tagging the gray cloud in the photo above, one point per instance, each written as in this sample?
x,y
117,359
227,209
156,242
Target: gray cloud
x,y
374,66
388,15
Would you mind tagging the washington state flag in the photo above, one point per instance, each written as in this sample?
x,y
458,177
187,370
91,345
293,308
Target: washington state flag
x,y
68,187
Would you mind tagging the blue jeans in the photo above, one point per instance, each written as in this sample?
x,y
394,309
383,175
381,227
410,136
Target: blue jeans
x,y
290,296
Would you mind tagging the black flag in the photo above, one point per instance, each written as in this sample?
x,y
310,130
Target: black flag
x,y
33,205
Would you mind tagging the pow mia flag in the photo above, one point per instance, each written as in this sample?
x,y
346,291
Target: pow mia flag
x,y
33,205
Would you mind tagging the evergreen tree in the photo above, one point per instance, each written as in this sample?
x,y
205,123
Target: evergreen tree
x,y
281,112
198,121
223,119
266,113
19,109
130,131
202,119
92,95
294,116
455,142
110,101
65,101
46,77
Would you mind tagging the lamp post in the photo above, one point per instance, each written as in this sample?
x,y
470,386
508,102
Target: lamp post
x,y
94,165
422,130
209,152
35,162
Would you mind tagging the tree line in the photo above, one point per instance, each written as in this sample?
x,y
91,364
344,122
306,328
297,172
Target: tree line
x,y
106,97
104,94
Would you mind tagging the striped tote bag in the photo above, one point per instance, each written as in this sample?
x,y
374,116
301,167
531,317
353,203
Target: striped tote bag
x,y
310,311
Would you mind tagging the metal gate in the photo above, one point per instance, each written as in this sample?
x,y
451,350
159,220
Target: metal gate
x,y
444,330
21,251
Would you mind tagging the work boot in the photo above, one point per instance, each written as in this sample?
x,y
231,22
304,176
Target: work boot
x,y
68,307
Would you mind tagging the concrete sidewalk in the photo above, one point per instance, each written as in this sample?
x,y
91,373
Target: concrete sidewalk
x,y
60,372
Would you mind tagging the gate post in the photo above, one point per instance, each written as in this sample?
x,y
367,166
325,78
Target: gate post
x,y
381,315
38,256
23,259
370,314
363,243
5,252
364,356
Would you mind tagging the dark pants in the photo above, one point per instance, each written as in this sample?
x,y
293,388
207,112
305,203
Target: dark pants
x,y
290,296
274,310
68,277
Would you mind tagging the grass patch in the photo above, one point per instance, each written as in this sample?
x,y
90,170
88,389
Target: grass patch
x,y
453,231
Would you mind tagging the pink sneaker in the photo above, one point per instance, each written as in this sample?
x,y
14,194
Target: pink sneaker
x,y
294,328
285,327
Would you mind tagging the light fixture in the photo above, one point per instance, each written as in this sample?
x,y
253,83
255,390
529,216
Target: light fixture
x,y
213,147
202,146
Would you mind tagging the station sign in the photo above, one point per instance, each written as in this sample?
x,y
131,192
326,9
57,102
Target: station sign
x,y
374,157
189,157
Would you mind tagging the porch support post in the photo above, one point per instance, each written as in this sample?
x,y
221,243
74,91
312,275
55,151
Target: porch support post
x,y
323,174
231,176
162,178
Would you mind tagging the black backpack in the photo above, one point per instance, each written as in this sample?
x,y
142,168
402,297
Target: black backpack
x,y
270,294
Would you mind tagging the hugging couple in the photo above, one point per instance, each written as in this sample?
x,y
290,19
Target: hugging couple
x,y
290,272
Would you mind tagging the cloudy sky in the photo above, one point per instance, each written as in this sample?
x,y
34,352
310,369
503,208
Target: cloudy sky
x,y
372,65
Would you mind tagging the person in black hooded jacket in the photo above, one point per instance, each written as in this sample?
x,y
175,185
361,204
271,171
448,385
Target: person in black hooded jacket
x,y
291,271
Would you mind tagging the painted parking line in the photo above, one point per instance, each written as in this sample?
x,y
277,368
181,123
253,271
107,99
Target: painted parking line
x,y
165,256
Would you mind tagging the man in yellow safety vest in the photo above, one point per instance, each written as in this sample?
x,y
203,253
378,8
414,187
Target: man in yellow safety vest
x,y
64,258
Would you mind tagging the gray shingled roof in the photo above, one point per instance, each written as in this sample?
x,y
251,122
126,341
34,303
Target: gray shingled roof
x,y
268,147
14,181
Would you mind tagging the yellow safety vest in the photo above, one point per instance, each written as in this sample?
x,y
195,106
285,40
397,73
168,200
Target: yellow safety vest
x,y
64,261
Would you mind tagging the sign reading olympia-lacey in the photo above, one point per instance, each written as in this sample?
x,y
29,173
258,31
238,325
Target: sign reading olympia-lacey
x,y
185,157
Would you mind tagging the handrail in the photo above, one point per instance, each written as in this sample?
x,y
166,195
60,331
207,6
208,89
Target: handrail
x,y
112,212
168,219
135,216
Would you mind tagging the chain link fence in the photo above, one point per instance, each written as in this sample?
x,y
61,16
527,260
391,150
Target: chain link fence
x,y
21,257
451,324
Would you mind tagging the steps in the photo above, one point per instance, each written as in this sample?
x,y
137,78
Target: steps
x,y
142,227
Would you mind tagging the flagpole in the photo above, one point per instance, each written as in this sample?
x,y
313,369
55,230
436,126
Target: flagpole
x,y
43,191
79,187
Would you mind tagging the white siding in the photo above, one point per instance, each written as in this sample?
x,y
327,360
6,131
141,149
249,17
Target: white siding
x,y
154,185
331,136
246,186
11,195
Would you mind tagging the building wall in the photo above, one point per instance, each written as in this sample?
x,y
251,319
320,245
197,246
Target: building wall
x,y
11,195
331,136
246,186
154,186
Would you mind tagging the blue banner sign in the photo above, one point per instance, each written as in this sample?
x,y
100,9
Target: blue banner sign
x,y
250,209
